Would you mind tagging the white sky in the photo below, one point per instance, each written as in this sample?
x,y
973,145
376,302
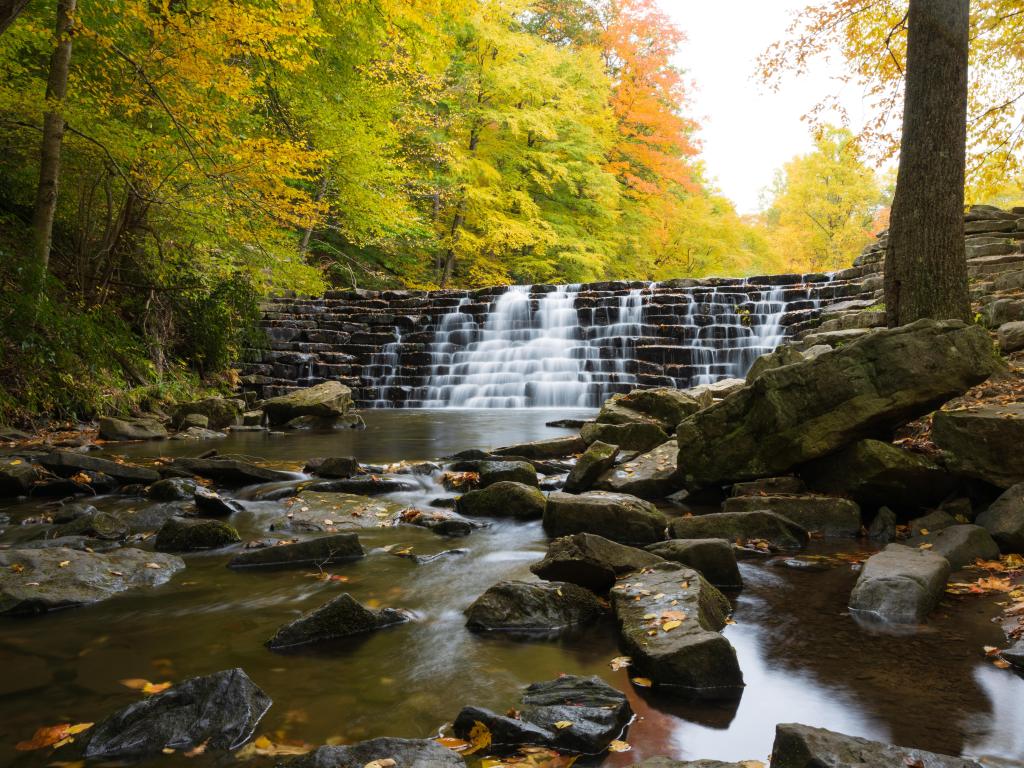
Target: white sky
x,y
747,130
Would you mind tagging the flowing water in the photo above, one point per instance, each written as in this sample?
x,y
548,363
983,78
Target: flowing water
x,y
804,659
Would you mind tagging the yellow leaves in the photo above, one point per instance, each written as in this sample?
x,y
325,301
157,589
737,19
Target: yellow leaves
x,y
619,746
531,757
456,745
262,746
140,684
620,662
16,568
641,682
668,626
52,736
479,738
385,762
563,724
63,563
154,566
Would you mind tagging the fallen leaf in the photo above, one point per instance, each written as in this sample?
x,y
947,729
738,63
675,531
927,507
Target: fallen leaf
x,y
197,750
385,762
264,747
154,566
456,745
17,568
642,682
619,746
620,662
143,685
1001,663
52,736
63,563
668,626
479,738
563,724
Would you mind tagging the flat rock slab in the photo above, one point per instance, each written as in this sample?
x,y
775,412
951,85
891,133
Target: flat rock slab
x,y
669,617
68,463
960,544
325,550
504,498
590,561
616,516
597,714
801,746
517,471
315,512
341,617
129,428
714,559
829,515
546,607
770,486
230,471
180,534
665,406
650,475
983,442
34,581
1004,519
900,585
364,485
779,532
329,401
555,448
441,522
668,762
406,753
220,710
801,412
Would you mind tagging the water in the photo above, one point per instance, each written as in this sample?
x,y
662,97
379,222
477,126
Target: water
x,y
803,658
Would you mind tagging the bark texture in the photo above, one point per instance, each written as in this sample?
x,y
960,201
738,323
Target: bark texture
x,y
9,10
925,262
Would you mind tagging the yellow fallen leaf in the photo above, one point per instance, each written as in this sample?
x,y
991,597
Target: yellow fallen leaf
x,y
168,750
264,747
197,750
479,738
52,736
385,762
926,545
563,724
668,626
154,566
620,662
642,682
456,745
143,685
17,568
650,616
924,531
619,746
1002,663
63,563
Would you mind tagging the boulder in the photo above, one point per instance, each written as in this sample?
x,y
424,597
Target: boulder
x,y
635,436
1004,520
329,401
35,581
220,412
1014,654
492,472
314,512
785,355
219,711
590,561
180,534
1011,337
982,442
406,753
801,746
503,499
131,428
68,463
595,461
650,475
931,522
883,527
443,523
669,617
365,484
715,559
769,486
17,477
199,420
108,526
829,515
337,467
229,470
321,551
553,448
797,413
616,516
960,544
876,474
900,585
717,390
663,406
212,504
741,527
341,617
198,433
597,712
546,607
172,489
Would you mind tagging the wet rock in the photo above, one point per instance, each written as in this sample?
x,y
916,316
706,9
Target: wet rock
x,y
668,762
616,516
983,442
492,472
900,585
1014,654
554,448
590,561
650,475
598,713
874,474
662,406
325,550
66,513
567,423
200,420
718,390
220,711
68,463
801,746
212,504
503,499
179,534
198,433
34,581
341,617
742,527
101,525
229,470
801,412
252,419
313,512
690,657
130,428
931,522
714,559
407,753
330,400
782,356
770,486
81,543
960,544
544,607
366,485
830,515
172,489
635,436
1004,520
337,467
595,461
150,518
220,412
17,477
449,524
883,527
348,421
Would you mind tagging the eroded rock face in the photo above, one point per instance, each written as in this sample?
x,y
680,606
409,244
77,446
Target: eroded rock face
x,y
324,550
33,580
220,710
960,544
690,657
492,472
590,561
329,401
546,607
797,413
801,746
503,499
595,461
983,442
829,515
341,617
598,714
650,475
1004,519
616,516
714,559
740,527
407,753
900,585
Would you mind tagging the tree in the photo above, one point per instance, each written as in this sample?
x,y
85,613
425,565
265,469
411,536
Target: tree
x,y
925,262
9,10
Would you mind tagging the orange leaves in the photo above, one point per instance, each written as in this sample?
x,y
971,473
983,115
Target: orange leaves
x,y
52,736
140,684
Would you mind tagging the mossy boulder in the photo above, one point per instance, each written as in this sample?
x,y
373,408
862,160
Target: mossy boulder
x,y
544,607
827,515
983,442
220,412
180,534
615,516
651,475
591,561
492,472
742,527
662,406
328,401
635,436
503,499
341,617
131,428
714,559
595,461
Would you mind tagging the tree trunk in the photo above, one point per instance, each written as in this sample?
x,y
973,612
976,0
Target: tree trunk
x,y
9,10
925,261
53,135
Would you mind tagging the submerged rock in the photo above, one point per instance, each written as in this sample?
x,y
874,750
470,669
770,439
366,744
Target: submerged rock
x,y
960,544
341,617
797,413
492,472
933,521
547,607
35,581
900,585
324,550
597,714
801,746
553,448
714,559
131,428
179,534
213,504
92,523
650,475
407,753
366,485
616,516
595,461
635,436
314,512
983,442
742,527
449,524
669,617
229,470
330,401
590,561
1004,519
68,463
830,515
172,489
220,711
503,499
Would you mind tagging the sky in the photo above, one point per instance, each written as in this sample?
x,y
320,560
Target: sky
x,y
747,130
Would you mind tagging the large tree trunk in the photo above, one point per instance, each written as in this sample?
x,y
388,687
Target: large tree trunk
x,y
53,135
9,10
925,262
